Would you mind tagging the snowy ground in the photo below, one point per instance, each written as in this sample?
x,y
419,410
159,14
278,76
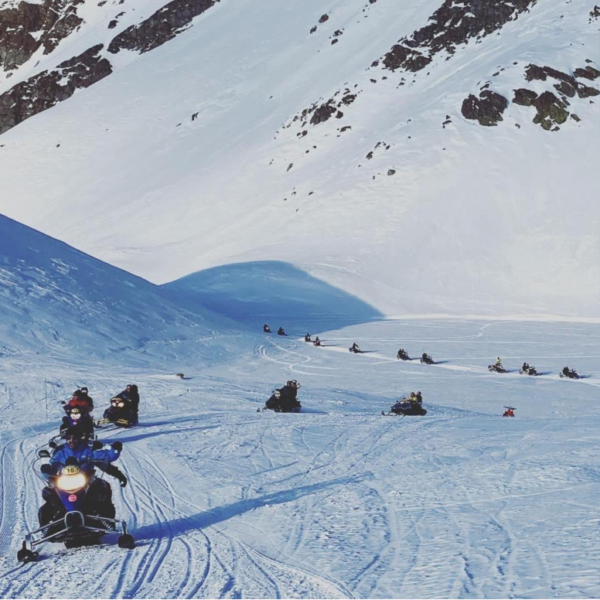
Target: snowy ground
x,y
339,501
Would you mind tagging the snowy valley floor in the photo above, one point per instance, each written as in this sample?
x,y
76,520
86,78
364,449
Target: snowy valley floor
x,y
338,501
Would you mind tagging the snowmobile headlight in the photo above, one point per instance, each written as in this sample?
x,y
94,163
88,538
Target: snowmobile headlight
x,y
71,483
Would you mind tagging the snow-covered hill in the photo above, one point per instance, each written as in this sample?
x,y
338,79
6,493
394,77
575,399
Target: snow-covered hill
x,y
342,137
57,301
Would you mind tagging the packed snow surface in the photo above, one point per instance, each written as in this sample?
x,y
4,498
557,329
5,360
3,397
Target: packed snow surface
x,y
339,501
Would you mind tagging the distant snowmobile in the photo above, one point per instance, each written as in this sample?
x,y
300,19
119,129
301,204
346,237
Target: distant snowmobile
x,y
509,412
403,354
407,407
307,338
355,349
569,373
281,331
497,369
527,369
121,412
316,341
285,399
426,359
266,328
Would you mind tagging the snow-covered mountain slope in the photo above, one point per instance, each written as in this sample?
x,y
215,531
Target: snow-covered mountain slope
x,y
57,301
354,152
337,502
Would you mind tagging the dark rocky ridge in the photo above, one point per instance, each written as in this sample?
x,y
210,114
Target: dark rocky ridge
x,y
56,19
451,25
43,91
162,26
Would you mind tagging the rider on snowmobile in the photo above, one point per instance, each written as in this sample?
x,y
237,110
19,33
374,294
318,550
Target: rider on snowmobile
x,y
131,394
316,341
77,449
266,328
281,331
81,400
355,347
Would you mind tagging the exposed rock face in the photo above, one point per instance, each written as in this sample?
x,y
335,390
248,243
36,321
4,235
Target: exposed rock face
x,y
161,27
587,73
43,91
551,111
323,112
454,23
524,97
52,21
487,109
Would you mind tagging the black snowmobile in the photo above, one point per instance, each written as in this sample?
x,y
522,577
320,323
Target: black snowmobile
x,y
266,328
355,349
407,408
403,354
77,418
121,412
284,399
426,359
307,338
78,511
569,373
495,368
528,370
281,331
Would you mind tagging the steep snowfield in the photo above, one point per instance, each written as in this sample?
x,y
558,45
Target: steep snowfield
x,y
475,220
55,300
338,502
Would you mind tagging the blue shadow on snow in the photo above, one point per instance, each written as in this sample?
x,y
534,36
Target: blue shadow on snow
x,y
273,292
217,515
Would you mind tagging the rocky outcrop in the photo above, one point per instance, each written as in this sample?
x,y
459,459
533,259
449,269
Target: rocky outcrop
x,y
319,113
161,27
26,28
43,91
453,24
551,111
487,109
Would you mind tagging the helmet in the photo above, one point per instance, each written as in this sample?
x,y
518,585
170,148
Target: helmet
x,y
76,432
83,389
293,383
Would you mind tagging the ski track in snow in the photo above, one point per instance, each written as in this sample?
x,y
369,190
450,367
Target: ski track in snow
x,y
338,501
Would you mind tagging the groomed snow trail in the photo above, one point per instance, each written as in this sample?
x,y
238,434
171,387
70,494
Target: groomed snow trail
x,y
338,501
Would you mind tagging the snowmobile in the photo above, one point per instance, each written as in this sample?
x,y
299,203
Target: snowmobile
x,y
284,399
281,331
77,417
403,354
407,408
120,413
569,373
495,368
426,359
509,412
307,338
355,349
316,341
528,370
71,515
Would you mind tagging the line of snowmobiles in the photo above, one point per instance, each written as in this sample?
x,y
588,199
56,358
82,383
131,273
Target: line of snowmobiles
x,y
78,508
